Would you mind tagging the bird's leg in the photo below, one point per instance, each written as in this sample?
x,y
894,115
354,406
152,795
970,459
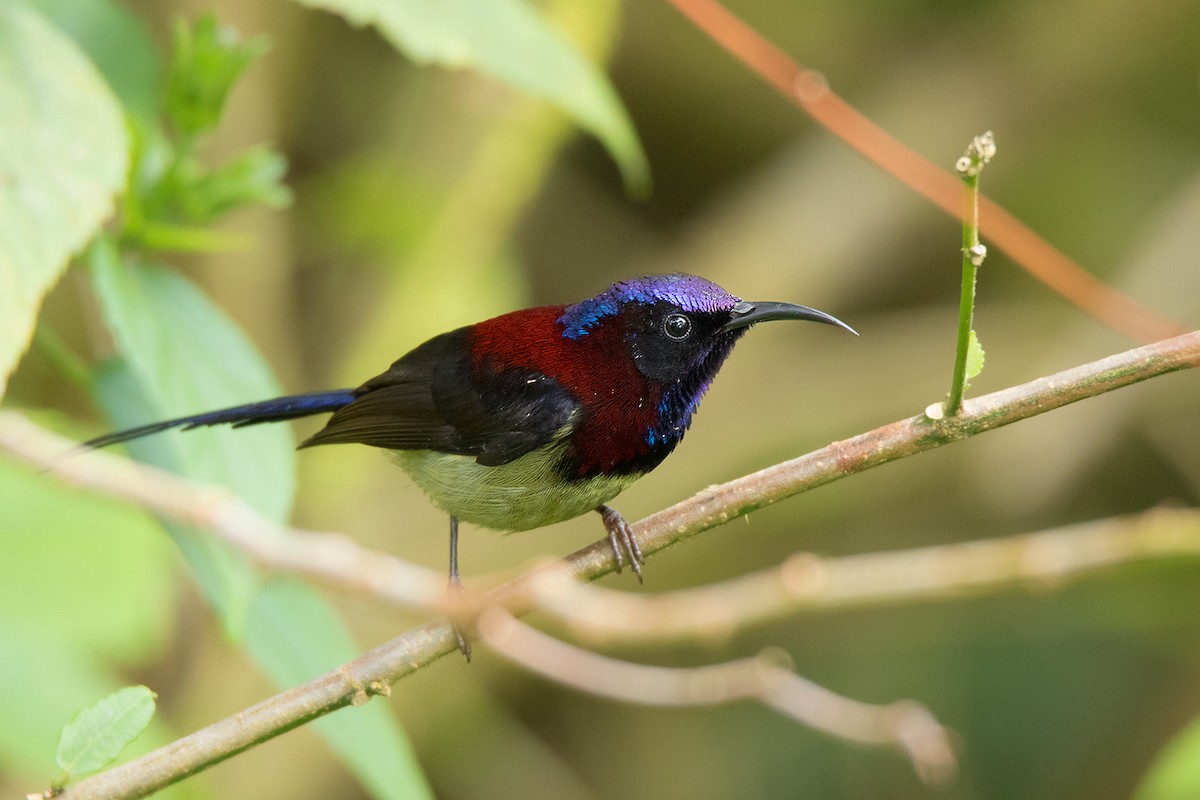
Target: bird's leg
x,y
621,539
456,588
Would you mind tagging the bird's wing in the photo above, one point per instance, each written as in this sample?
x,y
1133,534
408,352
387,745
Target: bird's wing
x,y
430,400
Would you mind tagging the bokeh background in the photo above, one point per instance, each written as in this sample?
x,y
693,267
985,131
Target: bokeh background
x,y
426,199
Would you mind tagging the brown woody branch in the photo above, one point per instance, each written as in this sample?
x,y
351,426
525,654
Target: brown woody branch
x,y
905,725
807,583
330,558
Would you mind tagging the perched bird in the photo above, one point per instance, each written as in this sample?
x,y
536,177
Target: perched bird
x,y
540,415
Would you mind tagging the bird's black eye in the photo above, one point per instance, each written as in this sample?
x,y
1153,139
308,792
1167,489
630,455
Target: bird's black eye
x,y
677,326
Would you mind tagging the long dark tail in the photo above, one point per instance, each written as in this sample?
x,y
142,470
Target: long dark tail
x,y
281,408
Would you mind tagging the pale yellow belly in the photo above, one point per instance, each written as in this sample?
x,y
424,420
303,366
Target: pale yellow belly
x,y
516,496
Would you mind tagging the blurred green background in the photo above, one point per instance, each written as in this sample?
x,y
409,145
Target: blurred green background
x,y
426,199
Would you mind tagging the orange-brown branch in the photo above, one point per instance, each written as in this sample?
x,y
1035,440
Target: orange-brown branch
x,y
808,90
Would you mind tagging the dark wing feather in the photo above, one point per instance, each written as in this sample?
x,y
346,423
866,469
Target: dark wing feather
x,y
434,399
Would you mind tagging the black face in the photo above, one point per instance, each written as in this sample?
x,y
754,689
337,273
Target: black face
x,y
668,344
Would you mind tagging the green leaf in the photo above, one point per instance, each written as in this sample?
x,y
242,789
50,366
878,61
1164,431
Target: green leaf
x,y
172,192
227,580
187,357
48,684
63,157
113,576
253,176
113,585
507,40
97,734
295,636
118,44
975,356
207,61
1175,774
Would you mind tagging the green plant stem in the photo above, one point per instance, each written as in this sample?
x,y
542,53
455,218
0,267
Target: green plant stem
x,y
966,299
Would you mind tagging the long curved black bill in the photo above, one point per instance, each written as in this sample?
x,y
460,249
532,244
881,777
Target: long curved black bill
x,y
748,312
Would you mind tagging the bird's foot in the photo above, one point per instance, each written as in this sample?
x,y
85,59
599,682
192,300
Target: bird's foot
x,y
456,591
622,541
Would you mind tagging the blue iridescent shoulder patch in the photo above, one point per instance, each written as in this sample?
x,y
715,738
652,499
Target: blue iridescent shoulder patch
x,y
686,292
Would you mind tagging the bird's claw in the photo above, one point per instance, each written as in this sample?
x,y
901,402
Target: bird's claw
x,y
456,590
464,644
622,541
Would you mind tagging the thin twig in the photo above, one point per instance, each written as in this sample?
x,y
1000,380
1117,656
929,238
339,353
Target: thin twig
x,y
327,557
806,583
374,671
808,90
905,724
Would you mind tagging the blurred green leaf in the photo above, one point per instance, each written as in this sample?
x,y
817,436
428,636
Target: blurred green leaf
x,y
207,60
173,194
84,582
1175,774
109,566
63,156
187,357
975,356
226,579
39,691
98,733
152,156
296,636
507,40
167,236
117,43
253,176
